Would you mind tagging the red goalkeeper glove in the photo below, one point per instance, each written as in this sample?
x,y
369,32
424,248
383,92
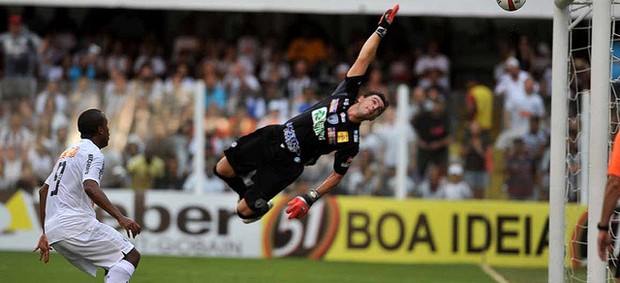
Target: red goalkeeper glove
x,y
300,205
386,20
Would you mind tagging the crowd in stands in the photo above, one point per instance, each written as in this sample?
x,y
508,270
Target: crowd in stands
x,y
148,97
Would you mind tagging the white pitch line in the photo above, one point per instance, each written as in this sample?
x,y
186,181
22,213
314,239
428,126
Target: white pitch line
x,y
493,274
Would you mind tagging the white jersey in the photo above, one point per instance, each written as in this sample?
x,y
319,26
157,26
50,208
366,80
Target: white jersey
x,y
69,211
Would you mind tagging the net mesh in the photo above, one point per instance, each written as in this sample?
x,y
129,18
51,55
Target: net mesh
x,y
580,37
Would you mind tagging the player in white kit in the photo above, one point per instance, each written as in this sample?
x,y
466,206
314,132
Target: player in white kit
x,y
67,208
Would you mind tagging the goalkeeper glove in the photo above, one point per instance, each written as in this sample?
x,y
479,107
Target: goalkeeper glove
x,y
300,205
386,20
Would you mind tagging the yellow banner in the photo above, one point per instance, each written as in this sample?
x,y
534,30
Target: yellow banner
x,y
499,233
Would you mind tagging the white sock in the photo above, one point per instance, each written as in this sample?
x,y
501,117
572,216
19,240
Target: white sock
x,y
120,273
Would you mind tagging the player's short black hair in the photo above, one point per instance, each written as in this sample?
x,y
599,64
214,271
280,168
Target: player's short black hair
x,y
89,122
386,103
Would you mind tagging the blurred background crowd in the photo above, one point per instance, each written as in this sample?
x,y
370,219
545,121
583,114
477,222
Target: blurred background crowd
x,y
476,129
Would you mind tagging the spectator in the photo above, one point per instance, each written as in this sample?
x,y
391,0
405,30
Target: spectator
x,y
433,63
525,54
512,82
418,103
28,181
214,92
275,100
16,135
505,50
83,97
114,174
40,160
20,50
50,58
272,118
432,183
147,84
240,84
520,172
118,59
479,105
375,83
149,56
5,184
115,94
13,165
52,92
144,169
536,139
391,183
307,47
242,124
475,149
172,179
275,70
517,113
86,65
544,174
387,131
296,84
57,118
433,137
212,184
455,188
367,182
60,141
309,98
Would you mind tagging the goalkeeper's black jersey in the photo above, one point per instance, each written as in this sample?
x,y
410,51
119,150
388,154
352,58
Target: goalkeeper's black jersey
x,y
325,127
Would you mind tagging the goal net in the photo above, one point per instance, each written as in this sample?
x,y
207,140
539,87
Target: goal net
x,y
586,74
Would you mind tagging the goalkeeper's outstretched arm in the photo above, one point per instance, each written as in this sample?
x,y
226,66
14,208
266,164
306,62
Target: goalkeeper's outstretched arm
x,y
369,49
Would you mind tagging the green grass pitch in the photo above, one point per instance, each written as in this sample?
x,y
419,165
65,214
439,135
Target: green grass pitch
x,y
18,267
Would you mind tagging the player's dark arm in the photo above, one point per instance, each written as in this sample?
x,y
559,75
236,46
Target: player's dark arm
x,y
97,195
43,246
42,204
369,49
612,193
99,198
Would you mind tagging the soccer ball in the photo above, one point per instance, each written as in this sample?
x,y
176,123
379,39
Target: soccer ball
x,y
511,5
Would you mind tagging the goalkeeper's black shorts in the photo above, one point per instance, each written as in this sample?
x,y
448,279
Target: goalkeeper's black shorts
x,y
263,156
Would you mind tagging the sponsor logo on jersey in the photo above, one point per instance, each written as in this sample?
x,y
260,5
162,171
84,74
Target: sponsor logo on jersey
x,y
89,162
346,102
292,144
356,136
331,135
343,137
70,152
318,122
333,105
343,117
101,170
333,119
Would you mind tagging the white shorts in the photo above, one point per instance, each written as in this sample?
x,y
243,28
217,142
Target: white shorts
x,y
98,246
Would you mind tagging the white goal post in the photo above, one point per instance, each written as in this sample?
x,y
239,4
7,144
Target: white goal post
x,y
597,131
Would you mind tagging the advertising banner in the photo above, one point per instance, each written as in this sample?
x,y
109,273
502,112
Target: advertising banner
x,y
341,228
499,233
173,223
